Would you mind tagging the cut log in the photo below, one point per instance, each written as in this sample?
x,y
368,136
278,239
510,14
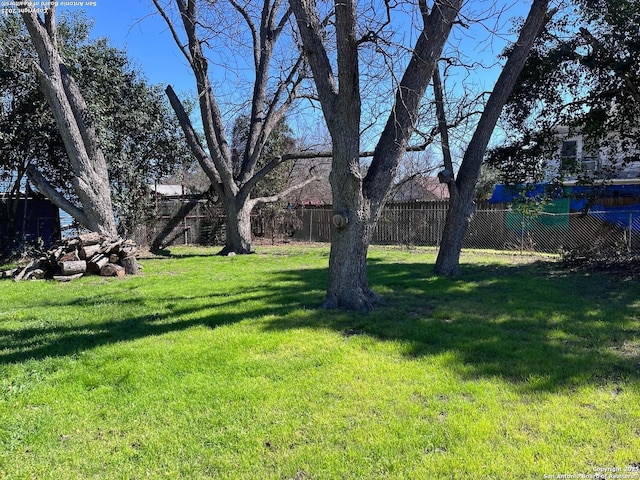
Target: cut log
x,y
69,257
35,274
85,253
21,272
25,273
71,268
112,270
67,278
91,238
130,264
57,253
88,253
8,273
97,262
111,247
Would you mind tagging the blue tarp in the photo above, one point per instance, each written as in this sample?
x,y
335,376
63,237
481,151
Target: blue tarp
x,y
624,217
508,193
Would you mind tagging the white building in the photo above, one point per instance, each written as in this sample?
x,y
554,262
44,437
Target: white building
x,y
577,157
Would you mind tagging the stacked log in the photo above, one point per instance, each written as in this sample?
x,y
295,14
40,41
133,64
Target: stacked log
x,y
88,254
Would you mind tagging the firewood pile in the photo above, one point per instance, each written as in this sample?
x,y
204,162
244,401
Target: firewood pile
x,y
88,254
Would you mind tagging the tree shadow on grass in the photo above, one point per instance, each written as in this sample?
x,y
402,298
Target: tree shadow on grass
x,y
529,326
526,324
57,339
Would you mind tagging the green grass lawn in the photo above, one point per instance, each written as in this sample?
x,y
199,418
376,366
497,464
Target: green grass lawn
x,y
223,367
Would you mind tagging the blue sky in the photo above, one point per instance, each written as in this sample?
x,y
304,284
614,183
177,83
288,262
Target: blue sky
x,y
134,25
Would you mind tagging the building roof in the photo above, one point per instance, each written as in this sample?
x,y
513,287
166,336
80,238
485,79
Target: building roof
x,y
421,189
168,190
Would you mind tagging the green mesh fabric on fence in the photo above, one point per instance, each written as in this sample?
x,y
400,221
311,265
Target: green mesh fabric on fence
x,y
554,215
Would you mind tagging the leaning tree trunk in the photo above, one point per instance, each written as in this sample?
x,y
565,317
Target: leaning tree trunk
x,y
455,228
463,189
89,168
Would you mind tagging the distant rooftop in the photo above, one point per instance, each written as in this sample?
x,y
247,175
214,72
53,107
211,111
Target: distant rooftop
x,y
421,189
168,190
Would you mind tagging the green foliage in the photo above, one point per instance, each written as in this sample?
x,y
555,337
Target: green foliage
x,y
136,127
28,134
280,141
137,131
273,216
221,367
584,73
524,160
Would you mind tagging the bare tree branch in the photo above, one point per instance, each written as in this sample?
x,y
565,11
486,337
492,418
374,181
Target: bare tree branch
x,y
252,28
284,193
311,30
174,32
205,161
211,116
442,122
401,122
262,123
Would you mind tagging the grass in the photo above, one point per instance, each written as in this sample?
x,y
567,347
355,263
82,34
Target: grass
x,y
222,367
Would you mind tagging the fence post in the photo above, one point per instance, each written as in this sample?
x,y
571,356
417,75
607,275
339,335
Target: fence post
x,y
521,233
310,225
630,231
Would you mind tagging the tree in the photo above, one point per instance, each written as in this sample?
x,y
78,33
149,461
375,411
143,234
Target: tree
x,y
358,196
462,187
270,215
136,127
272,91
134,124
89,174
584,74
27,130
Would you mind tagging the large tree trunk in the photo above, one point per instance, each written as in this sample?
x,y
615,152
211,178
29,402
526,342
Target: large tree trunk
x,y
455,228
463,188
358,201
238,227
348,287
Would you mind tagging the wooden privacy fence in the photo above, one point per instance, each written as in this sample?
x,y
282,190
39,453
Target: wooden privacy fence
x,y
492,226
400,223
409,223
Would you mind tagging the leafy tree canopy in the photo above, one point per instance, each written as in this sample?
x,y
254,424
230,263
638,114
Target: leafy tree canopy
x,y
584,73
135,126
